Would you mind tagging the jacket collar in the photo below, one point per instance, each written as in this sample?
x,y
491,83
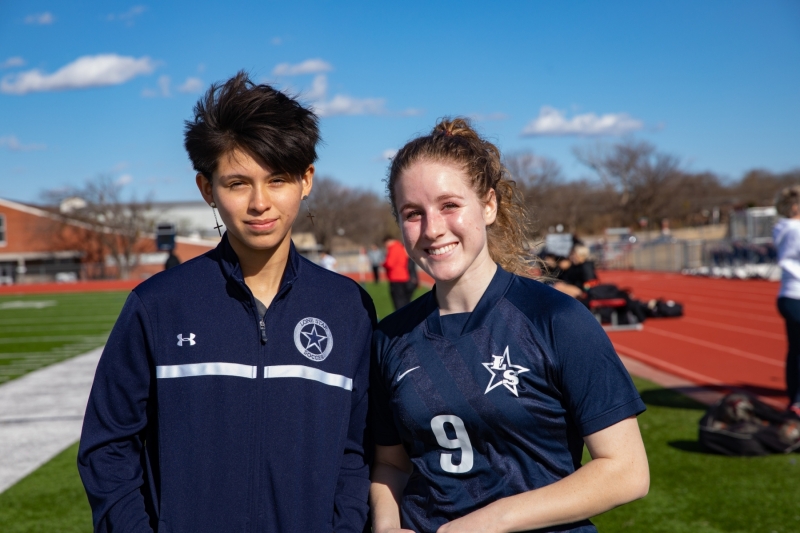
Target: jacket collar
x,y
232,270
491,297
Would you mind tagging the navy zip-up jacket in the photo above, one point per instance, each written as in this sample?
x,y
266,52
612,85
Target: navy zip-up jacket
x,y
205,418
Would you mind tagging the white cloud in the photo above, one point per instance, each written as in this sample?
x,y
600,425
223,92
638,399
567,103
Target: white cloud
x,y
551,121
124,180
128,16
163,88
319,88
191,85
340,104
84,72
40,18
277,41
10,142
347,105
309,66
163,85
389,153
15,61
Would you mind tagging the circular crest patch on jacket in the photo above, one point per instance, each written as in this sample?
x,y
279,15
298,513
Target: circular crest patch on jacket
x,y
313,338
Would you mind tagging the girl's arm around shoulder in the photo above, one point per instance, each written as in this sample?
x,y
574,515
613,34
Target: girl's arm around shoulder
x,y
617,474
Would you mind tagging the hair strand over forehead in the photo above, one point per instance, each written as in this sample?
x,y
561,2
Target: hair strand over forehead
x,y
255,118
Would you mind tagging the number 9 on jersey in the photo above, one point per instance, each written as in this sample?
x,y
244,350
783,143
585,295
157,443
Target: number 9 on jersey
x,y
460,442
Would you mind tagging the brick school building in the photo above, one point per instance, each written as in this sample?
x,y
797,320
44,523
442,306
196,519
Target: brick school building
x,y
38,245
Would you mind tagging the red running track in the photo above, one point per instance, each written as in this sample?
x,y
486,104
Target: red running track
x,y
730,337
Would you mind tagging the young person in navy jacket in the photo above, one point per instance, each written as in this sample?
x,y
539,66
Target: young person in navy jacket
x,y
231,395
486,389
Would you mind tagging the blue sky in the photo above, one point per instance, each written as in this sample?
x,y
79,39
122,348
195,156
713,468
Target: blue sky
x,y
90,88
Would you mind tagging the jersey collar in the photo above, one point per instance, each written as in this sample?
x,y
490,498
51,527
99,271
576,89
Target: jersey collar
x,y
491,297
232,270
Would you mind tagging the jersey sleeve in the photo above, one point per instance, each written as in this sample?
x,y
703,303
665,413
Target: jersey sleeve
x,y
597,389
111,445
383,429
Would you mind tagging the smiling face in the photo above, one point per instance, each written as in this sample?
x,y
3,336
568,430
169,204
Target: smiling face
x,y
444,222
256,204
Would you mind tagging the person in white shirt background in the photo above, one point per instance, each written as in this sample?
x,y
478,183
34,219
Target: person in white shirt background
x,y
326,260
786,236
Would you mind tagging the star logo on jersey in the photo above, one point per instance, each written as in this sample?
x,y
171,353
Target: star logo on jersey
x,y
313,339
503,373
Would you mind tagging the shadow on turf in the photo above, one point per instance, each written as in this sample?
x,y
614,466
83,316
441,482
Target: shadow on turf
x,y
686,397
691,446
674,398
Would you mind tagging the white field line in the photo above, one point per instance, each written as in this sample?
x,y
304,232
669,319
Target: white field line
x,y
41,414
55,338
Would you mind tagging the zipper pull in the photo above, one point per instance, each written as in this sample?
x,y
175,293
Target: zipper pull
x,y
263,328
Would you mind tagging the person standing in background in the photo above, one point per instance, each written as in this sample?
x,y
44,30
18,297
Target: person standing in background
x,y
396,266
327,261
376,257
786,236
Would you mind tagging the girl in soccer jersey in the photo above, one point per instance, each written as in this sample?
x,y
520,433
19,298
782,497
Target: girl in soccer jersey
x,y
486,389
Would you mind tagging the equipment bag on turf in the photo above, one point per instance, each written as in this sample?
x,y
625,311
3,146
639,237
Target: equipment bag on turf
x,y
740,424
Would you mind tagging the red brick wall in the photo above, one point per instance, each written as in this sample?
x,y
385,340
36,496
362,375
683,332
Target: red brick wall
x,y
26,232
29,232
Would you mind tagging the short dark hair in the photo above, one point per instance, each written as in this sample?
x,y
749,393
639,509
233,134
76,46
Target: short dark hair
x,y
257,118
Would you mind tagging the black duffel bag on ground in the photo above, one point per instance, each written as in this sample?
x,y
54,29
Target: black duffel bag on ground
x,y
742,425
663,309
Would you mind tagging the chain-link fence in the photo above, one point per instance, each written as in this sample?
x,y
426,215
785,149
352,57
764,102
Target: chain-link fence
x,y
675,256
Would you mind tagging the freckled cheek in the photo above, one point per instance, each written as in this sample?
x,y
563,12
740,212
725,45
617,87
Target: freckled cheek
x,y
410,233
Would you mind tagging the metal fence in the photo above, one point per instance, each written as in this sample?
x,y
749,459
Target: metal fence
x,y
676,256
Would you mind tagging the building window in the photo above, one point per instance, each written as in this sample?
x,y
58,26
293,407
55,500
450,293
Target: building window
x,y
2,230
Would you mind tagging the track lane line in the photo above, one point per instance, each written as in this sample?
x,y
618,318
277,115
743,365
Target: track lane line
x,y
664,365
749,316
727,327
694,377
715,346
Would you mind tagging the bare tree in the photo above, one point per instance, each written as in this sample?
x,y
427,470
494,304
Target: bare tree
x,y
101,223
642,178
580,206
338,210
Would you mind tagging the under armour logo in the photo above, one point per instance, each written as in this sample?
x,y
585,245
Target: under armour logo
x,y
189,339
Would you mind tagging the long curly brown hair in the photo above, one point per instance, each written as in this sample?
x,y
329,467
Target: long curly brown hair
x,y
455,141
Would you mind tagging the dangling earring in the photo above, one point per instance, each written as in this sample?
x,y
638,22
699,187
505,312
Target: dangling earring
x,y
213,210
305,199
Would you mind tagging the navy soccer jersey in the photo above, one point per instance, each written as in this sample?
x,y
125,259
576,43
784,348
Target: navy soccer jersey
x,y
495,402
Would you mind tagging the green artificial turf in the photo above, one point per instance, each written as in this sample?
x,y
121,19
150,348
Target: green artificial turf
x,y
41,329
383,301
697,492
690,490
50,500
